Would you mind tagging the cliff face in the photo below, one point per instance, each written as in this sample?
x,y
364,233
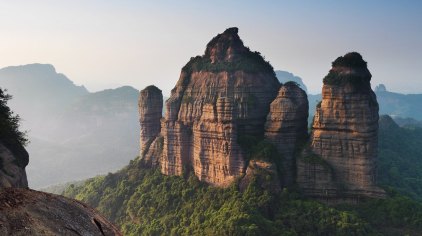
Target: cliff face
x,y
286,126
220,96
150,112
230,95
345,132
29,212
13,160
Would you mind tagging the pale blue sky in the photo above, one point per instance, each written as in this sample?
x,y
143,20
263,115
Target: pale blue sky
x,y
104,43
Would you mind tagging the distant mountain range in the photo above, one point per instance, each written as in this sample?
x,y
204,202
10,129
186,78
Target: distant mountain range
x,y
285,76
74,134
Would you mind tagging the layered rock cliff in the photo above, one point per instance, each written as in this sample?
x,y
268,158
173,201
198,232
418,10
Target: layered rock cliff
x,y
228,117
286,126
224,94
344,134
150,112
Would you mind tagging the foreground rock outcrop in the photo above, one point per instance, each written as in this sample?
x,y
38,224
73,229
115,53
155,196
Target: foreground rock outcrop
x,y
29,212
341,160
13,160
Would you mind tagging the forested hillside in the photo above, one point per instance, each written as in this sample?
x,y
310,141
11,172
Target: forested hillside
x,y
145,202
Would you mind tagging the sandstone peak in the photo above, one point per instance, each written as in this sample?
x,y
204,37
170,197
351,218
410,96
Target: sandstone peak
x,y
344,135
226,52
351,60
221,95
225,46
349,69
152,89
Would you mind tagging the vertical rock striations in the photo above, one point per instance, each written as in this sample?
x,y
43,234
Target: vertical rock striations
x,y
344,134
231,93
150,112
220,96
287,126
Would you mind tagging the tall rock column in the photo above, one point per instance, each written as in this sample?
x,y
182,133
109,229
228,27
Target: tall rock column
x,y
221,95
150,112
286,126
345,127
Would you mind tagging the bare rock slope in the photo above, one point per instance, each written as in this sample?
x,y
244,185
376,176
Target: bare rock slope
x,y
29,212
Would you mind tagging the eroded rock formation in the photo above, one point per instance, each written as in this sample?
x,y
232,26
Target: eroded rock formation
x,y
220,96
13,160
230,97
150,104
286,126
344,134
29,212
150,112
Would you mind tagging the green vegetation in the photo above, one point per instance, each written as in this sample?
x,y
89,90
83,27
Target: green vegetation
x,y
334,78
145,202
257,148
351,59
250,62
400,158
316,159
395,215
9,122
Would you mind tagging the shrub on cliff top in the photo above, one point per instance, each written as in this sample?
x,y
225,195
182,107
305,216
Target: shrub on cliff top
x,y
250,62
9,122
351,59
349,69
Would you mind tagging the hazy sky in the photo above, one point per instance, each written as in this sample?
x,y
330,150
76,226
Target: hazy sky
x,y
103,43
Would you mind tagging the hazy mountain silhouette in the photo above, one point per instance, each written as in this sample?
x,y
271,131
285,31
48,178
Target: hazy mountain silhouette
x,y
74,134
399,105
405,109
38,89
285,76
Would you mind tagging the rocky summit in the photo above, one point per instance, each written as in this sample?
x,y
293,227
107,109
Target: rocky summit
x,y
224,94
231,94
344,135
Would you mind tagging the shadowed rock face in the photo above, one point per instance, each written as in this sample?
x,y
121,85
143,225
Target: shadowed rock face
x,y
345,130
287,126
13,160
223,94
29,212
150,112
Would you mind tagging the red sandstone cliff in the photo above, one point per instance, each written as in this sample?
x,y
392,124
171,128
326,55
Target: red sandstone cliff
x,y
221,95
344,134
